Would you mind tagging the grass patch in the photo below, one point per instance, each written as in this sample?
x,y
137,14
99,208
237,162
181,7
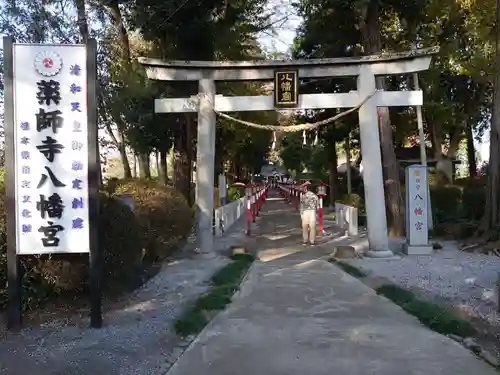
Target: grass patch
x,y
233,272
350,269
192,322
224,284
431,315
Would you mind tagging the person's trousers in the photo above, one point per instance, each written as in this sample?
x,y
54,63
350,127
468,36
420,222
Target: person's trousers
x,y
309,226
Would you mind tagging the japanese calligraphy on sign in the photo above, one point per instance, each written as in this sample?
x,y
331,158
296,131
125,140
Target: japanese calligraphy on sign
x,y
286,93
416,205
50,121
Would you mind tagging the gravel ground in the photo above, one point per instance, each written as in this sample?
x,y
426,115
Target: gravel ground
x,y
467,280
138,337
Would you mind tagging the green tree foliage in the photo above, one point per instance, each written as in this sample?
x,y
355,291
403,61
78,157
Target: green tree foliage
x,y
457,87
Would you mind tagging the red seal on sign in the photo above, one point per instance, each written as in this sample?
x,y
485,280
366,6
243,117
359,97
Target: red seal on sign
x,y
48,63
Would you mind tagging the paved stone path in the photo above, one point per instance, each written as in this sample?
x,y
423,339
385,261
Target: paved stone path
x,y
298,314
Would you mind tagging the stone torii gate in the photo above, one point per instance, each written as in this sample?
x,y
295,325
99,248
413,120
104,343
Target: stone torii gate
x,y
364,68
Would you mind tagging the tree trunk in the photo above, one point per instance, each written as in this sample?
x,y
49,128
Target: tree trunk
x,y
372,43
348,164
83,26
471,152
182,169
190,124
38,28
117,20
490,218
237,170
157,163
122,149
144,165
455,138
445,164
394,199
332,181
134,170
162,168
436,137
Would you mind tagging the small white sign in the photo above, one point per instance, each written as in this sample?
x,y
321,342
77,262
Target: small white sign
x,y
51,148
416,206
222,186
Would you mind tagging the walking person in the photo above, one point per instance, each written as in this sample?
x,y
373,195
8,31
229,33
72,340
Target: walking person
x,y
308,206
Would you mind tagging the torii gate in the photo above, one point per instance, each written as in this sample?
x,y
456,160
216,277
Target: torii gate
x,y
365,68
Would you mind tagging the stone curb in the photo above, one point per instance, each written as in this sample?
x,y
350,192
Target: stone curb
x,y
189,341
473,346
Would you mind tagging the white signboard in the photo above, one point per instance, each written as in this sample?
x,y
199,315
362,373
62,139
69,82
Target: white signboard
x,y
416,206
51,148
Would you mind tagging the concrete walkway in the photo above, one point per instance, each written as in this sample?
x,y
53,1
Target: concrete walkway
x,y
298,314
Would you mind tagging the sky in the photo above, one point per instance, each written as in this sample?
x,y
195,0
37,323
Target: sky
x,y
285,22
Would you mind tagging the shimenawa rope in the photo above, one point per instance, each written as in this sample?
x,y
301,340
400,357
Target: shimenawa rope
x,y
298,127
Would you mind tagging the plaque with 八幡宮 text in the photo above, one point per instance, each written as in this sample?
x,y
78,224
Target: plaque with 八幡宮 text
x,y
286,93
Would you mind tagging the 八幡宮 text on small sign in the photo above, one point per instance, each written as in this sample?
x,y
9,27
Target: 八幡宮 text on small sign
x,y
286,93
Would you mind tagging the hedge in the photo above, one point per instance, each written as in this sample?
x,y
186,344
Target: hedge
x,y
49,275
122,236
163,213
452,202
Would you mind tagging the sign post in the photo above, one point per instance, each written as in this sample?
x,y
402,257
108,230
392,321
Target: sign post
x,y
321,195
52,160
417,230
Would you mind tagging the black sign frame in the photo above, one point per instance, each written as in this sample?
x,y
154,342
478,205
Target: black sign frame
x,y
14,271
294,85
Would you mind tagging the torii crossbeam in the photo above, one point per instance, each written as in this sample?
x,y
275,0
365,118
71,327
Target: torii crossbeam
x,y
365,68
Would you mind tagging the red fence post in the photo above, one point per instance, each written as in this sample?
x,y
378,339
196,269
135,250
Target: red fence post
x,y
253,202
249,209
258,201
297,198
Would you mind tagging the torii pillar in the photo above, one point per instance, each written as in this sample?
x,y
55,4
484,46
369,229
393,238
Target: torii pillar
x,y
365,68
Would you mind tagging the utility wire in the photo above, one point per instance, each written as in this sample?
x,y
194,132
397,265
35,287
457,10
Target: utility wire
x,y
173,14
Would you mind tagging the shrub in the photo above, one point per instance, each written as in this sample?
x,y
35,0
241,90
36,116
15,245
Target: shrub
x,y
163,213
353,200
445,201
476,181
465,230
2,175
473,201
34,291
234,193
50,275
120,244
120,240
